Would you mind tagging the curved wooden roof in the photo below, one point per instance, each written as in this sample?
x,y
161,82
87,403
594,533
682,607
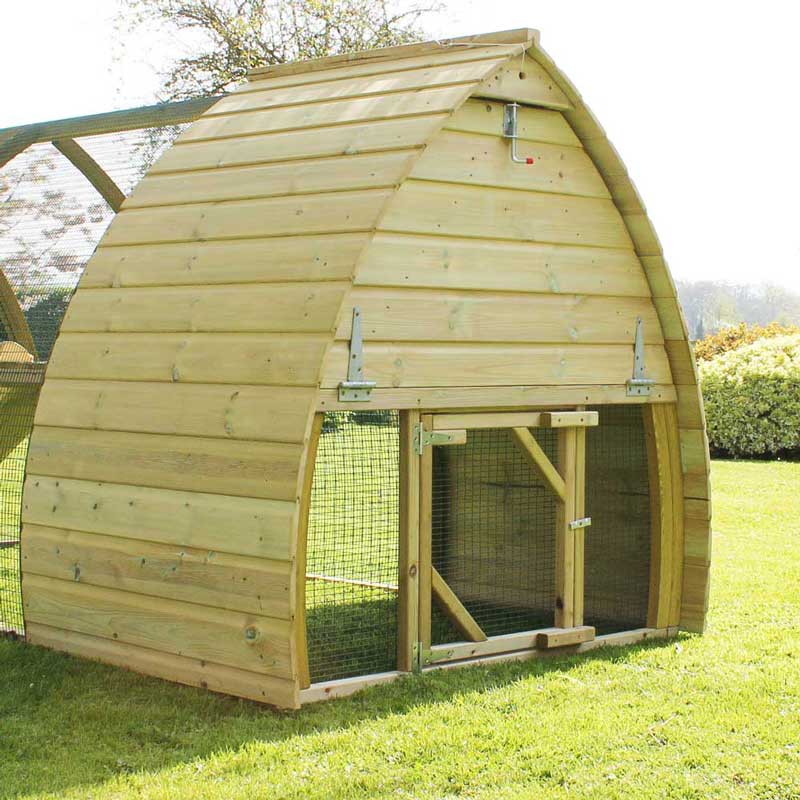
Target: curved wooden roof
x,y
180,394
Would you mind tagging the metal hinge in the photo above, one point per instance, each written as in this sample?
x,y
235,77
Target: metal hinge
x,y
355,389
577,524
638,385
424,438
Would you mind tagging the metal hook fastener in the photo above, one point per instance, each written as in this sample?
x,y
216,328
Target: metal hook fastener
x,y
510,132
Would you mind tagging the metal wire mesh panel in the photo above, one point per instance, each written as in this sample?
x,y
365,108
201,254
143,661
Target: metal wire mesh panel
x,y
353,546
617,545
493,533
51,219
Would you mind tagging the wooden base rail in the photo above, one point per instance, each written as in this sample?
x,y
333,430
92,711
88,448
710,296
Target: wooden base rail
x,y
349,686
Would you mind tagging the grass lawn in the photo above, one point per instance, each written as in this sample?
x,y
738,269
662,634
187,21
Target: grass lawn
x,y
716,716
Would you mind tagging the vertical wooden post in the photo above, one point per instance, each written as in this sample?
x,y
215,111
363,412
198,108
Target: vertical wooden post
x,y
580,511
565,536
301,554
408,610
425,538
666,512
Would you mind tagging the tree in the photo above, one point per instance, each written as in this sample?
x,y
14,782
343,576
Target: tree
x,y
227,38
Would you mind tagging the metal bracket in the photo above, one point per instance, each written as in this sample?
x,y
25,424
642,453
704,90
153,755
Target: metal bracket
x,y
355,389
510,132
638,385
577,524
424,438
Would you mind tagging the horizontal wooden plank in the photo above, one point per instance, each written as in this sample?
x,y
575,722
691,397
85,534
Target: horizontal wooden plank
x,y
340,140
293,258
206,577
533,124
256,413
266,96
444,315
247,469
246,641
431,365
498,397
523,80
211,522
333,112
527,419
275,216
268,180
450,263
478,212
263,359
564,637
481,160
191,671
570,419
269,308
266,77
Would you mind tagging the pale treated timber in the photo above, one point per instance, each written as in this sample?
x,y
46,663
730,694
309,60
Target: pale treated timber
x,y
92,171
539,460
241,219
167,666
247,469
454,609
502,42
508,397
409,563
442,315
429,365
564,637
424,207
205,577
259,79
267,308
301,559
293,258
334,112
569,419
565,536
523,80
425,540
533,124
277,98
223,358
349,686
347,172
245,641
255,413
579,534
287,146
479,160
442,262
499,419
213,522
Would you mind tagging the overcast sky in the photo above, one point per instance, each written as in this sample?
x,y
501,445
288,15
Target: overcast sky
x,y
699,97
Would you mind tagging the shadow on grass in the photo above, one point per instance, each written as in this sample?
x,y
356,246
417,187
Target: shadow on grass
x,y
65,722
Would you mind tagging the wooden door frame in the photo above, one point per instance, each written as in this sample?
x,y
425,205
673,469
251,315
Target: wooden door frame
x,y
567,479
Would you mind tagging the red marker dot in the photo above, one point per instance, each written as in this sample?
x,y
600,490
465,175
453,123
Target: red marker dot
x,y
529,161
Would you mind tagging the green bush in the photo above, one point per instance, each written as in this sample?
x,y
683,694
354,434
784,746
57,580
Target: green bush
x,y
715,344
752,398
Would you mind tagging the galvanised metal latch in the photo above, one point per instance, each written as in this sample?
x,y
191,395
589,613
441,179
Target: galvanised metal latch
x,y
577,524
638,385
510,132
424,438
355,389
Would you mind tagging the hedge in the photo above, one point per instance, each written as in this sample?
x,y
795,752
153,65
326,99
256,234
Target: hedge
x,y
715,344
752,398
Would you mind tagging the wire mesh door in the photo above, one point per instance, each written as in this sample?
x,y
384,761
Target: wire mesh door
x,y
501,542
